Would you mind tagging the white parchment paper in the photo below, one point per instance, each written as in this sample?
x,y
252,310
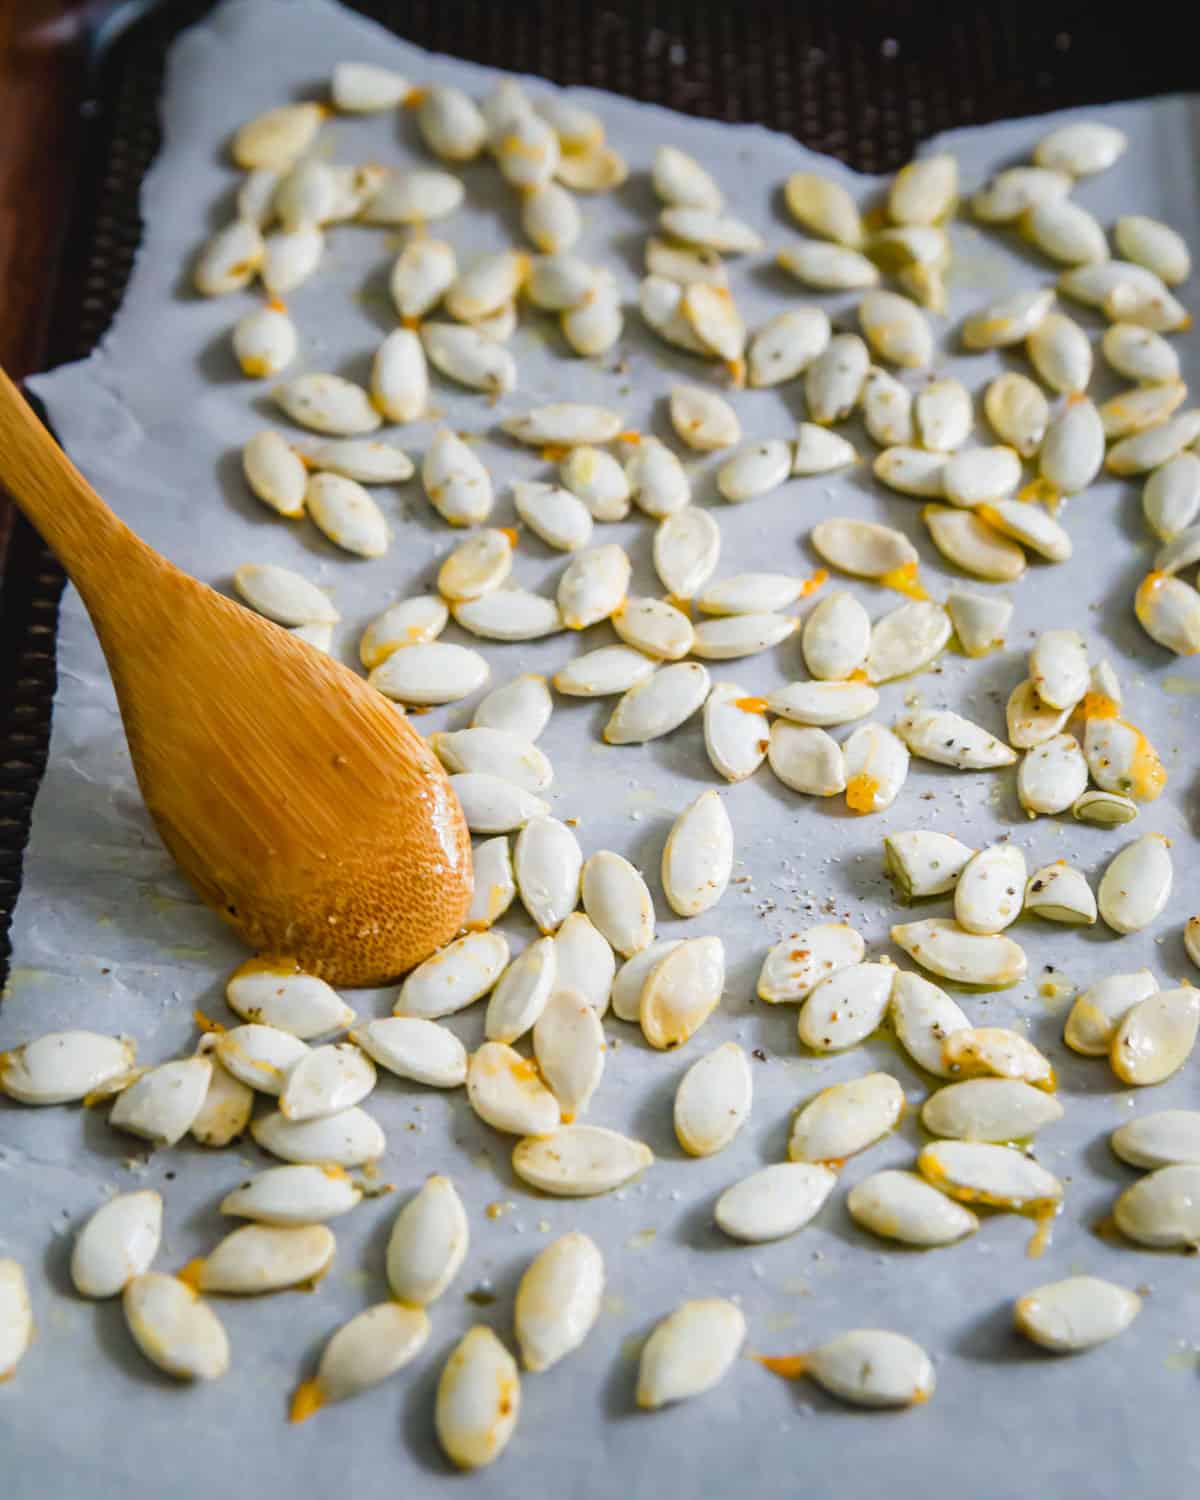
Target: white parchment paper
x,y
106,934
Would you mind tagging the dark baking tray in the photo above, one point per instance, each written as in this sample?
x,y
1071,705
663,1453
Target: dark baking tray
x,y
863,82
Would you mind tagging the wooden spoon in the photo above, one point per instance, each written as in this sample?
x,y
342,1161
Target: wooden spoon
x,y
295,798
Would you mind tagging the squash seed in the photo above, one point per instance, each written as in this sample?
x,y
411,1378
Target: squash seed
x,y
632,976
558,1300
1156,1037
794,967
755,470
326,1081
429,673
504,1090
521,992
569,1044
942,947
681,181
1165,1139
173,1328
876,765
682,992
1078,1313
734,636
823,704
1162,1210
228,1104
411,622
579,1161
661,303
834,381
229,260
845,1119
1168,610
586,963
350,1139
527,152
684,264
735,737
824,208
967,541
816,451
596,170
990,890
1148,305
825,267
557,283
478,1399
902,1206
657,480
490,804
715,321
658,705
1010,192
261,1258
887,409
161,1105
1065,231
924,191
806,759
1182,551
1148,450
277,137
1140,354
1007,322
996,1052
618,902
690,1351
773,1202
1105,809
1018,412
1142,407
906,640
63,1067
997,1176
896,329
924,1016
412,1047
1135,886
454,478
942,415
265,341
870,1367
712,1102
786,345
564,424
978,475
1081,148
554,514
327,404
697,858
465,355
1100,1009
1030,721
118,1242
476,566
948,739
363,1352
1052,776
455,977
275,473
290,258
259,1056
422,274
428,1243
837,637
864,549
748,593
597,479
702,419
345,512
600,673
547,861
989,1109
845,1008
710,230
924,863
291,1196
368,461
1158,247
1029,525
1061,353
979,620
256,196
400,378
1061,893
451,124
550,218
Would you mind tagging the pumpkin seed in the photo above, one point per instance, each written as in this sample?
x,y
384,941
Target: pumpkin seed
x,y
924,863
597,479
924,1016
1140,354
702,419
577,129
1065,232
228,1104
63,1067
794,967
698,856
748,593
345,512
661,304
1149,306
658,705
1061,354
991,1109
454,478
557,283
1030,721
1156,1036
1061,893
1094,285
1168,610
906,640
682,992
948,739
1007,195
521,992
430,673
558,1300
469,357
876,764
370,462
824,207
998,1176
275,473
362,88
657,480
586,963
684,264
1018,412
862,548
305,196
845,1119
1052,776
924,191
423,273
476,566
506,1093
872,1367
1171,498
997,1052
990,889
1078,1313
1135,886
230,259
786,345
943,416
896,329
740,635
631,978
596,170
564,424
353,188
414,1048
834,381
161,1105
887,409
264,341
579,1161
1141,407
551,219
1030,525
399,377
1100,1009
823,704
293,1196
527,152
350,1139
428,1243
680,180
845,1008
817,451
1106,809
977,475
328,404
829,268
326,1081
755,470
712,1102
942,947
979,620
600,673
173,1328
1007,322
1121,758
618,902
1161,1209
256,196
1165,1139
593,587
1158,247
451,124
773,1202
1081,148
1148,450
710,230
735,738
259,1055
118,1242
478,1399
455,977
411,622
363,1352
807,760
715,321
902,1206
290,258
690,1351
554,514
972,545
261,1258
490,804
837,637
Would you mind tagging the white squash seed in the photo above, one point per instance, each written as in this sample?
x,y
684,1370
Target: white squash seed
x,y
63,1067
597,479
411,622
521,992
118,1242
990,890
558,1300
454,977
618,902
713,1099
942,947
773,1202
834,380
997,1176
896,329
603,672
806,759
872,1367
924,1016
325,1081
585,961
794,967
845,1008
412,1047
1018,412
1061,893
174,1328
464,354
902,1206
990,1109
564,424
327,404
1162,1210
786,345
262,1258
657,480
1100,1009
631,977
1168,610
846,1118
1165,1139
161,1104
350,1139
966,540
547,862
579,1161
1140,354
294,1195
816,451
429,673
1156,1036
823,704
260,1056
735,737
1075,1314
1136,884
863,548
659,704
1007,322
837,637
682,992
478,1399
568,1042
697,858
755,470
690,1351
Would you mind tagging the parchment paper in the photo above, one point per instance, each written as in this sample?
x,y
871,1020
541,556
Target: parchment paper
x,y
106,935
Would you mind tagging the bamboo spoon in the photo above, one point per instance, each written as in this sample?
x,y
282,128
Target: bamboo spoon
x,y
298,802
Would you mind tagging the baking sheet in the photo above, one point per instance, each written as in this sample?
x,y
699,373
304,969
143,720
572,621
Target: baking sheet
x,y
106,935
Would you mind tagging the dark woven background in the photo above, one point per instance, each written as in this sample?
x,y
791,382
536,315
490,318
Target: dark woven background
x,y
864,82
